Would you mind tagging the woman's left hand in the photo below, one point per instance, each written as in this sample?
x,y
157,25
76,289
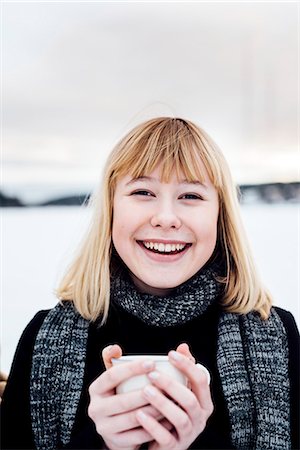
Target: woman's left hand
x,y
187,410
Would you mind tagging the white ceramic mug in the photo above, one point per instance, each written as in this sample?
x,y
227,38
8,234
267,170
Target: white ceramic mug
x,y
162,364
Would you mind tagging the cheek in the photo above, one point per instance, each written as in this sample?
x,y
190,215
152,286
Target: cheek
x,y
117,228
213,235
207,229
120,219
206,225
123,228
127,219
119,233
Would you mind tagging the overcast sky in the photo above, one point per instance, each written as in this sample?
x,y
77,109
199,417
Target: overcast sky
x,y
77,75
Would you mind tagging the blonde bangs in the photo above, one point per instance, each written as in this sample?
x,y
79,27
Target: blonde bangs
x,y
173,144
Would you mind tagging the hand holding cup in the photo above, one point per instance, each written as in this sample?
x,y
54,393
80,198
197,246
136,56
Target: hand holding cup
x,y
114,414
128,419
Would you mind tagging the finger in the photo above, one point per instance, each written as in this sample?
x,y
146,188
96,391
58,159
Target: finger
x,y
184,350
164,438
149,409
165,423
115,375
3,376
127,421
197,378
132,438
119,403
2,387
112,351
181,407
204,369
123,403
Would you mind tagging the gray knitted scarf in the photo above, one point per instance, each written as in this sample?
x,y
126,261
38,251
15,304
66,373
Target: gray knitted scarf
x,y
189,300
252,361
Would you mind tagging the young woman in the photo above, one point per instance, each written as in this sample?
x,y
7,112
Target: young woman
x,y
165,268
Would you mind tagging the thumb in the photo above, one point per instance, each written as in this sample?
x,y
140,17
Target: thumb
x,y
185,350
112,351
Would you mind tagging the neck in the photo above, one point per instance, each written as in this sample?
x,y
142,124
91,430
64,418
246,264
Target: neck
x,y
144,288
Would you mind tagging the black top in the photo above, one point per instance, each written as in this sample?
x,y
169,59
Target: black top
x,y
134,336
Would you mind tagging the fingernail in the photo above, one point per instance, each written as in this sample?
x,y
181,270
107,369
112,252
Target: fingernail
x,y
153,375
148,364
141,415
150,391
108,349
175,355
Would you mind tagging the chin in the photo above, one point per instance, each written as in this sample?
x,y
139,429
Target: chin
x,y
163,284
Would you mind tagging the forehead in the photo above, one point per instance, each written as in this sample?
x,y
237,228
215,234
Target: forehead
x,y
175,178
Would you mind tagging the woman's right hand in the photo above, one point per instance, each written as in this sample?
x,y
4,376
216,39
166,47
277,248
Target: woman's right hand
x,y
115,414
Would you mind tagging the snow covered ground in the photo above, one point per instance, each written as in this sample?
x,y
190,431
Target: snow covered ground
x,y
39,242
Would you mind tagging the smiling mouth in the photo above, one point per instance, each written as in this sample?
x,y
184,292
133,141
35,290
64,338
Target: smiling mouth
x,y
164,249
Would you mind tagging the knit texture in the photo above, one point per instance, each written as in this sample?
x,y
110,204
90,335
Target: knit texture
x,y
189,300
252,360
57,375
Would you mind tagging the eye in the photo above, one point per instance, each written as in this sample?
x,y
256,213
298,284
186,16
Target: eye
x,y
191,197
142,192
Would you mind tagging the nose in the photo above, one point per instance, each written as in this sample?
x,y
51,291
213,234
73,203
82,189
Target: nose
x,y
165,217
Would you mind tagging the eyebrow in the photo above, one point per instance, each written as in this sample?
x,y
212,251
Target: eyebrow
x,y
135,180
153,180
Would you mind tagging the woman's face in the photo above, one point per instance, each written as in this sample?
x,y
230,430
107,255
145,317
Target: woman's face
x,y
164,232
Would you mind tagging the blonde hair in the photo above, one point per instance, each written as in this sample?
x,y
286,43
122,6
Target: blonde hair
x,y
177,144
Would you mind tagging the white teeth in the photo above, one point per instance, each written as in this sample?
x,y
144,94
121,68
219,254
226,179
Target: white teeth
x,y
161,248
164,248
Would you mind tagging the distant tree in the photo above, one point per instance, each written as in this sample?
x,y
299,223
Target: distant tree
x,y
5,201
